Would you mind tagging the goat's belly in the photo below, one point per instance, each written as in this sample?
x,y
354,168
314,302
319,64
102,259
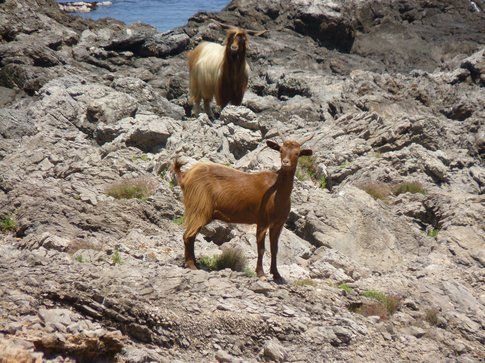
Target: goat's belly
x,y
241,218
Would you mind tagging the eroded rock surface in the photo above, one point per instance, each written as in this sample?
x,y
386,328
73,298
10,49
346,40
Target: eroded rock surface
x,y
393,92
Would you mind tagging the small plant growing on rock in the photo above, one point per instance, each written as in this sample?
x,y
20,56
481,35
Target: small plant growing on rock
x,y
232,258
179,220
377,190
305,282
345,288
431,316
79,258
116,258
323,182
433,232
409,187
306,169
139,188
344,165
248,272
8,224
384,305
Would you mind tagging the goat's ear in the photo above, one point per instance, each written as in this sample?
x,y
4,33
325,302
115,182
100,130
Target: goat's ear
x,y
306,152
273,145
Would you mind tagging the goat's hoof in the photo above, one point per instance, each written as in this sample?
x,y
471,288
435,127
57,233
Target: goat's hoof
x,y
279,280
191,265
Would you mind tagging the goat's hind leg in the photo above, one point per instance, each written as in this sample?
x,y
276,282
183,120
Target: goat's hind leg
x,y
207,108
189,242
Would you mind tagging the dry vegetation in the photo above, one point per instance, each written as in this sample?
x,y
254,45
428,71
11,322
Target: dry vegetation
x,y
382,191
232,258
139,188
379,304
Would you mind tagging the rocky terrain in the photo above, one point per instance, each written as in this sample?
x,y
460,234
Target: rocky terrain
x,y
383,252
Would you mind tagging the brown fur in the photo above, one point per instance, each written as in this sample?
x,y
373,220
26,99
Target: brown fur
x,y
216,192
234,79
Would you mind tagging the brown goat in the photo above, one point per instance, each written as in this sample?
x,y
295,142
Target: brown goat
x,y
216,192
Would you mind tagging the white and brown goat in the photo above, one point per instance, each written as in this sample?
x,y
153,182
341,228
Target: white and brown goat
x,y
216,192
219,71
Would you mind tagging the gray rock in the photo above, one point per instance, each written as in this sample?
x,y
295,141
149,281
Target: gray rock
x,y
274,351
241,116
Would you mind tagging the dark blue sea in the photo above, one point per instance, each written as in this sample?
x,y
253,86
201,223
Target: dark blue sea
x,y
162,14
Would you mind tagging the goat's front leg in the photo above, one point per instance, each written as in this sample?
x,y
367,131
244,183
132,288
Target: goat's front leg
x,y
196,108
260,236
274,235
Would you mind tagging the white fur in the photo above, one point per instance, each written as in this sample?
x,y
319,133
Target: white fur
x,y
205,74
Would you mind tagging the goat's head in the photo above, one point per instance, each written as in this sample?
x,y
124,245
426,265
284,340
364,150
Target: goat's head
x,y
290,151
236,43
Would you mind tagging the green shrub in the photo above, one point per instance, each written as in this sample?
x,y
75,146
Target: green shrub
x,y
374,294
139,188
306,169
179,220
346,288
232,258
8,224
344,165
377,190
385,305
249,272
323,182
116,258
409,187
433,232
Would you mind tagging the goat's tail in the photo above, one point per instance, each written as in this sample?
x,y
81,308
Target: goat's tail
x,y
177,171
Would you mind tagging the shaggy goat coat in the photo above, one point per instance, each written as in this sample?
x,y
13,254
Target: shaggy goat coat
x,y
210,189
219,71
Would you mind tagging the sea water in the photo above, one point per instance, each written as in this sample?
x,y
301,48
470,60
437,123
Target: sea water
x,y
162,14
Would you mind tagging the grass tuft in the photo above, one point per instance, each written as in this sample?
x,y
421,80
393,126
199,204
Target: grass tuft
x,y
431,316
116,258
344,165
232,258
179,220
249,272
346,288
306,169
433,232
8,224
409,187
323,182
79,258
374,294
139,188
383,305
376,190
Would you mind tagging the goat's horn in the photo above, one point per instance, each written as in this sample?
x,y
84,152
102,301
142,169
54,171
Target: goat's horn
x,y
257,33
306,139
281,135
